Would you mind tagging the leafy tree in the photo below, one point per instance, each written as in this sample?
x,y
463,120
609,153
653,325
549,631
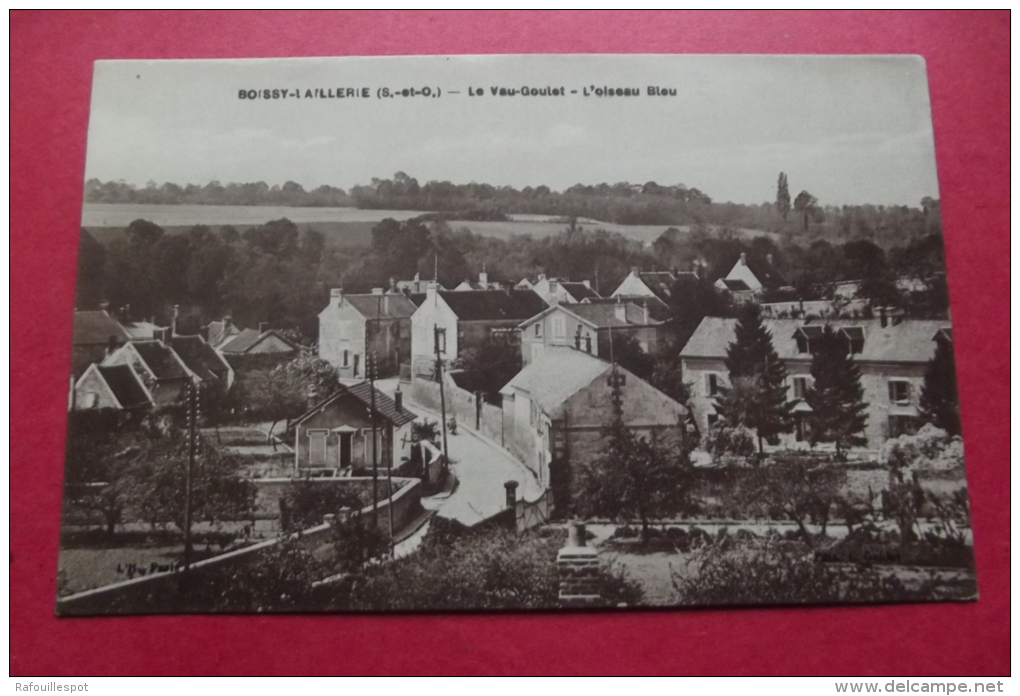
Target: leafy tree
x,y
940,403
794,489
757,395
220,491
628,354
91,268
806,205
633,477
783,195
489,366
836,398
283,392
667,376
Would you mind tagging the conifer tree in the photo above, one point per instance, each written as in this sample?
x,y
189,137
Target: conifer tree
x,y
940,403
836,397
760,402
783,195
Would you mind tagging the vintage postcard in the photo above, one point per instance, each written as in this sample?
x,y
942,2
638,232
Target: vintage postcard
x,y
511,333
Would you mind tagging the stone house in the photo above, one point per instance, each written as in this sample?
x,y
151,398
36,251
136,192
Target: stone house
x,y
892,355
111,386
749,277
589,328
353,327
261,341
337,433
457,321
167,364
558,406
554,291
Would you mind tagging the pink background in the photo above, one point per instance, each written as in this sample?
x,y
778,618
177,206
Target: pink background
x,y
51,67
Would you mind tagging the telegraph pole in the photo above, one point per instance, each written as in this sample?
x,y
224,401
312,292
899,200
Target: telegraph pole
x,y
193,411
442,396
370,360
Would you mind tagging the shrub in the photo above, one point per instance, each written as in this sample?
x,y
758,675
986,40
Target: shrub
x,y
723,440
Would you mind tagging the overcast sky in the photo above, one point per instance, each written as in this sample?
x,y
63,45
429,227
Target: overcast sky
x,y
847,129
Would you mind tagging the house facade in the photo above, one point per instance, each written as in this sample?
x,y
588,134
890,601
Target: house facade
x,y
589,328
337,433
111,387
353,327
748,278
558,406
455,321
891,353
168,365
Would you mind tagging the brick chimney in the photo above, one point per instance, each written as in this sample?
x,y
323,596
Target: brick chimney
x,y
743,258
579,570
883,318
398,400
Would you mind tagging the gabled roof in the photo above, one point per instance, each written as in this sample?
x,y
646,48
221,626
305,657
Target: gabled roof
x,y
579,291
909,341
494,305
249,338
160,359
601,316
96,327
659,282
125,385
766,273
659,310
385,407
387,306
199,356
734,285
555,375
220,332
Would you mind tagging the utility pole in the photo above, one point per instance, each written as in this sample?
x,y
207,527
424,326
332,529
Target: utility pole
x,y
370,366
193,412
442,393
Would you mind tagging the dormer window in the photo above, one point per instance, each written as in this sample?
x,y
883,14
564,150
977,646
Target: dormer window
x,y
855,338
804,335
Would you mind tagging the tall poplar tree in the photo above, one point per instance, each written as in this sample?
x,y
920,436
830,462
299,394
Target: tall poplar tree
x,y
836,397
783,195
752,362
940,404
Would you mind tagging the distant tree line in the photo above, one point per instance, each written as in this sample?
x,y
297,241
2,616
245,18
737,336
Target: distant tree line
x,y
625,203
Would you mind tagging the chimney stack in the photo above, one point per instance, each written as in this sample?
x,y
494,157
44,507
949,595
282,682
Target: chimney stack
x,y
173,322
483,279
644,311
511,495
336,296
634,270
263,327
398,400
430,291
393,284
883,319
743,258
111,345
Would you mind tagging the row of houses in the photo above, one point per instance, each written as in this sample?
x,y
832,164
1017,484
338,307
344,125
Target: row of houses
x,y
134,365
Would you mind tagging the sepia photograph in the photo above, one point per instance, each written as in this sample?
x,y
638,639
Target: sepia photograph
x,y
544,332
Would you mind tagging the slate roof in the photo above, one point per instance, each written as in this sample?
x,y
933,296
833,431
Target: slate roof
x,y
766,273
248,338
555,375
735,285
909,341
142,330
579,291
160,359
220,332
494,305
659,282
362,391
658,309
96,327
389,306
199,356
603,315
125,385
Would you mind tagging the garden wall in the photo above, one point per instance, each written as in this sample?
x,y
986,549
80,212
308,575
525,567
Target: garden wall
x,y
153,593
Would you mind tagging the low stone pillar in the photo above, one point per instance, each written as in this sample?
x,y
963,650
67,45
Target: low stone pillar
x,y
579,570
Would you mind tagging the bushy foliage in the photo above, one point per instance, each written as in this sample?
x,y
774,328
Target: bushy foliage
x,y
304,503
929,448
836,397
725,440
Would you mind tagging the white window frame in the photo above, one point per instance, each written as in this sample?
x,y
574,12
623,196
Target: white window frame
x,y
311,433
802,379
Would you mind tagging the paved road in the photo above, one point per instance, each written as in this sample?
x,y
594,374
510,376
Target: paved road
x,y
481,467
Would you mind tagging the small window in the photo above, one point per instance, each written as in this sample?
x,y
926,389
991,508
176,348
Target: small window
x,y
347,358
538,329
712,419
440,338
803,345
899,391
800,387
712,384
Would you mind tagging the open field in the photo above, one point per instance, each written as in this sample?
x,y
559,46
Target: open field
x,y
343,227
